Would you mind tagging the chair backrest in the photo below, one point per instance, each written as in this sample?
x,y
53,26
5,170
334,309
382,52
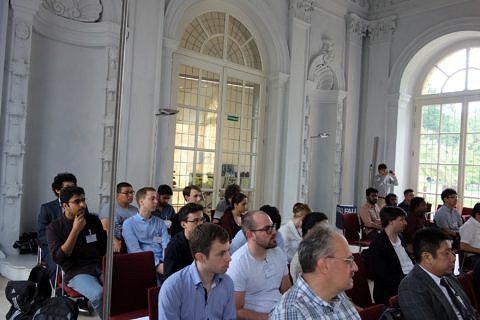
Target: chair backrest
x,y
372,312
393,302
360,293
153,303
466,281
132,275
351,226
466,211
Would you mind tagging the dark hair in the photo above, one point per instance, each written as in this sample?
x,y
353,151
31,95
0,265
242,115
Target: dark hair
x,y
142,193
274,215
370,190
237,198
231,190
67,193
382,166
447,193
187,209
390,213
415,203
203,237
317,244
300,210
389,197
475,210
428,240
123,185
188,189
60,179
164,189
311,220
407,191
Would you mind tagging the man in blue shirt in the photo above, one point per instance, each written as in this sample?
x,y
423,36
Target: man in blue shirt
x,y
201,290
144,232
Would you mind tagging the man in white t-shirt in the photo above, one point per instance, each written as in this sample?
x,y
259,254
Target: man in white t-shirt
x,y
470,235
258,269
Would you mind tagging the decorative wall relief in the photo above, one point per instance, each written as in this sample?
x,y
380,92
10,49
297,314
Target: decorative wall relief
x,y
302,9
78,10
320,71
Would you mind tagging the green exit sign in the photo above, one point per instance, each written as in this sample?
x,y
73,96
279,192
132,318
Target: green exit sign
x,y
232,118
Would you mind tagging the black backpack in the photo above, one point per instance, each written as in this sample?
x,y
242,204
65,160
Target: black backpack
x,y
391,313
57,308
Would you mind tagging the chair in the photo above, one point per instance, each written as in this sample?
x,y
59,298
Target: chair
x,y
62,289
153,303
351,231
360,293
393,302
466,281
466,211
372,312
132,275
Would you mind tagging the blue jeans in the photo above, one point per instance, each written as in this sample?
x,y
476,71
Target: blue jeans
x,y
90,287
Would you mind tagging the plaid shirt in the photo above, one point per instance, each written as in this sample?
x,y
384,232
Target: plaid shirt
x,y
300,302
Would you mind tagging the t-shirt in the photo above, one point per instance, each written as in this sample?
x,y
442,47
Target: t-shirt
x,y
121,215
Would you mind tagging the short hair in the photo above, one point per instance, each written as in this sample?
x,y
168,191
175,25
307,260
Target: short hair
x,y
407,191
382,166
390,213
188,189
67,193
370,190
247,220
300,210
428,240
317,244
311,220
447,193
123,185
60,178
238,197
187,209
231,190
274,215
164,189
203,237
142,193
475,210
415,203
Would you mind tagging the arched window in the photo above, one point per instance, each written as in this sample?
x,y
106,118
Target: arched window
x,y
219,88
448,111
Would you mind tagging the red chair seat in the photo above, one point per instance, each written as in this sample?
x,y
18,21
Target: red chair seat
x,y
130,315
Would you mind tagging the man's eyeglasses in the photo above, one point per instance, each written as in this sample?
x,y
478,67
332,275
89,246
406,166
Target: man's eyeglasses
x,y
455,196
78,201
197,221
128,192
267,229
348,260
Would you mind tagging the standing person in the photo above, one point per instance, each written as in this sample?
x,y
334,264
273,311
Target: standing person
x,y
78,242
201,290
408,195
123,210
370,214
232,219
165,210
49,212
328,268
292,230
226,202
384,182
447,217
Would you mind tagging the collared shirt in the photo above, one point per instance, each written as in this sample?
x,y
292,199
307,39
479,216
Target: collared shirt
x,y
183,296
301,302
121,214
405,261
369,213
470,232
384,184
448,218
142,234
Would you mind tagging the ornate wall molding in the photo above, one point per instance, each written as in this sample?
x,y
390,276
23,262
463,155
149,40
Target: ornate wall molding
x,y
78,10
320,70
356,28
302,9
382,30
305,159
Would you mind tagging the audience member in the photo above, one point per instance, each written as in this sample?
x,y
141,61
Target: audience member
x,y
123,211
328,268
430,291
259,269
226,202
178,254
391,200
48,212
191,194
201,290
232,218
292,230
447,217
370,214
416,218
384,182
78,242
408,195
164,210
144,232
470,235
388,257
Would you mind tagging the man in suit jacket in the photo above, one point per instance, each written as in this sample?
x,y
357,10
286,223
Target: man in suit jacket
x,y
423,294
51,211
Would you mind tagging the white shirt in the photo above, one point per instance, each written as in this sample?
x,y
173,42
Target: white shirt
x,y
405,261
291,237
470,232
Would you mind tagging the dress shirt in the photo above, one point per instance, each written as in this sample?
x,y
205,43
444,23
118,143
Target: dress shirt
x,y
292,237
448,218
384,184
369,213
183,296
470,232
301,302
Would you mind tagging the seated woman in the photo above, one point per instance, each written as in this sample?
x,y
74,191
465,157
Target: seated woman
x,y
292,230
232,218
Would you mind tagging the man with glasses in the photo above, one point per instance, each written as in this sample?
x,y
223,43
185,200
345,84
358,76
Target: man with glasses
x,y
447,216
328,268
258,269
430,291
191,194
123,210
178,254
78,242
144,232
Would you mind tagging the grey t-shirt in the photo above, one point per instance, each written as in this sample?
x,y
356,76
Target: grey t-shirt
x,y
121,215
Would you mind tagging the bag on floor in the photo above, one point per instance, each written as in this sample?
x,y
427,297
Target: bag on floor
x,y
57,308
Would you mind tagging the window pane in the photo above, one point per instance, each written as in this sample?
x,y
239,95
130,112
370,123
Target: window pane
x,y
183,167
428,149
430,119
209,90
474,58
472,182
185,128
234,53
454,62
456,82
451,118
447,177
238,32
449,148
213,22
204,169
473,120
434,81
473,79
214,47
247,165
427,178
207,130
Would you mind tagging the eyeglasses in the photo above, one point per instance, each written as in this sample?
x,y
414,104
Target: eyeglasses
x,y
455,196
349,260
128,192
78,201
267,229
197,221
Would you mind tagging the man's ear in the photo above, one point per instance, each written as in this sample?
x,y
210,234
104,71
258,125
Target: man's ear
x,y
183,224
200,257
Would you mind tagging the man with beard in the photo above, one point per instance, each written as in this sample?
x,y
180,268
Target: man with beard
x,y
328,268
370,214
259,268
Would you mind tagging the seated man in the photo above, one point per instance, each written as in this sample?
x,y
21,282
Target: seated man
x,y
470,235
391,200
259,269
225,203
48,212
201,290
389,260
178,254
78,242
447,216
430,291
144,232
328,268
164,210
416,218
191,194
370,214
123,210
408,195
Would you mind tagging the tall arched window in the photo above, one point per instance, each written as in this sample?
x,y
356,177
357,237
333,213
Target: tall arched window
x,y
448,110
219,91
